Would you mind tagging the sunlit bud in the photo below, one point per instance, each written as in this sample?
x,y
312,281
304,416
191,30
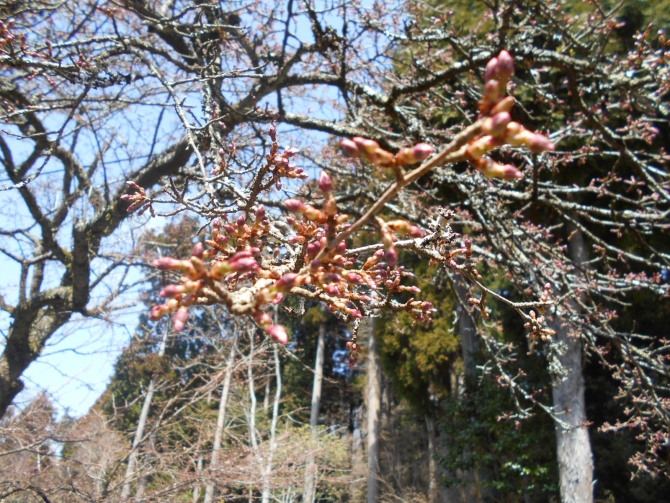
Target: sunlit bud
x,y
216,223
480,146
278,334
391,256
413,289
260,213
493,169
492,91
312,213
355,313
167,263
332,289
230,229
497,124
198,250
134,186
505,105
366,146
171,291
273,132
244,265
314,266
263,319
289,152
491,69
382,158
294,205
278,185
286,282
157,312
341,247
538,143
415,232
505,66
325,182
180,318
330,207
350,148
278,298
352,277
241,220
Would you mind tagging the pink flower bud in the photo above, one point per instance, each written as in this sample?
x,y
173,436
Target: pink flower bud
x,y
198,250
167,263
491,70
341,247
496,125
171,291
216,224
157,312
538,143
244,265
260,213
325,182
180,318
241,220
313,248
294,205
366,146
296,239
505,105
505,66
352,277
350,148
278,334
355,313
391,256
289,152
273,132
278,298
263,319
133,185
286,282
422,151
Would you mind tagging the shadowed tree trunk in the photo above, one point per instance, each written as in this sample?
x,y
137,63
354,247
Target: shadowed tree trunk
x,y
573,447
309,492
432,461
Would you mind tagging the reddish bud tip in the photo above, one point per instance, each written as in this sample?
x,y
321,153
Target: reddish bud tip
x,y
198,250
350,148
294,205
166,263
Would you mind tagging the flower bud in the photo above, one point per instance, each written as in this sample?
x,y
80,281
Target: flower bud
x,y
497,124
391,256
366,146
167,263
198,250
171,291
350,148
260,213
294,205
278,298
505,66
278,334
273,132
325,182
505,105
241,220
286,282
157,312
180,318
491,71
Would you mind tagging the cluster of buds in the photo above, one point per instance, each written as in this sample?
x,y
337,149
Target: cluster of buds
x,y
370,150
538,329
233,259
138,199
354,349
6,36
389,231
497,125
281,165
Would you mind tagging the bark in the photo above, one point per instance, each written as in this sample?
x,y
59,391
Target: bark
x,y
374,411
432,461
273,430
221,418
141,424
309,492
144,478
573,447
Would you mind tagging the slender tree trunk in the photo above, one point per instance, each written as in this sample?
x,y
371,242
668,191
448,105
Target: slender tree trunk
x,y
144,478
432,462
221,418
139,432
309,492
573,447
374,411
273,430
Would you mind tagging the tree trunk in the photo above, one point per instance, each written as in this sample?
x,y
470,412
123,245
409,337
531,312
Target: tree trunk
x,y
141,424
309,492
273,430
573,447
432,462
374,411
221,418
